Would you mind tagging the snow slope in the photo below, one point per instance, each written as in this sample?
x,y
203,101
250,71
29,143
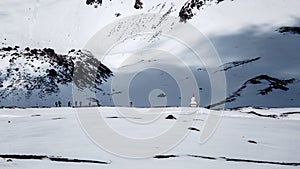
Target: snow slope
x,y
241,140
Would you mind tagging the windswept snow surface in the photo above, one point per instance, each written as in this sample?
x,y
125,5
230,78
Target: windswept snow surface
x,y
245,138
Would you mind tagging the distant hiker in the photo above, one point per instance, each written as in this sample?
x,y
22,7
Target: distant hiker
x,y
75,103
59,104
56,104
69,104
98,103
80,103
131,104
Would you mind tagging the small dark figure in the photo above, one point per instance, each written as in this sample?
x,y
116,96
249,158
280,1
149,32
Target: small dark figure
x,y
98,103
69,104
138,4
131,104
59,104
80,103
75,103
56,104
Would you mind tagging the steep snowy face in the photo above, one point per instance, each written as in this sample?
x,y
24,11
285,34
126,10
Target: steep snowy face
x,y
254,39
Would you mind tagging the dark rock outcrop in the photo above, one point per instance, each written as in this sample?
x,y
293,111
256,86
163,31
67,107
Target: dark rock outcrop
x,y
171,117
187,10
271,84
289,29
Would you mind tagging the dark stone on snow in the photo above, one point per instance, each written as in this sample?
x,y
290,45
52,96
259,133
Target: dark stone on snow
x,y
171,117
252,142
165,156
193,128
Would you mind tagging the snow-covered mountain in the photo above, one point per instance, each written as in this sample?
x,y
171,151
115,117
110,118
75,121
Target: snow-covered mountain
x,y
130,55
42,74
257,43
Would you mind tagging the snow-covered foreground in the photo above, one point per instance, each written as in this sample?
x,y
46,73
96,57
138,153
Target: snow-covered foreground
x,y
245,138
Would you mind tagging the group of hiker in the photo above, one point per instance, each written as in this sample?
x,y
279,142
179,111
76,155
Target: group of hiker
x,y
58,104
